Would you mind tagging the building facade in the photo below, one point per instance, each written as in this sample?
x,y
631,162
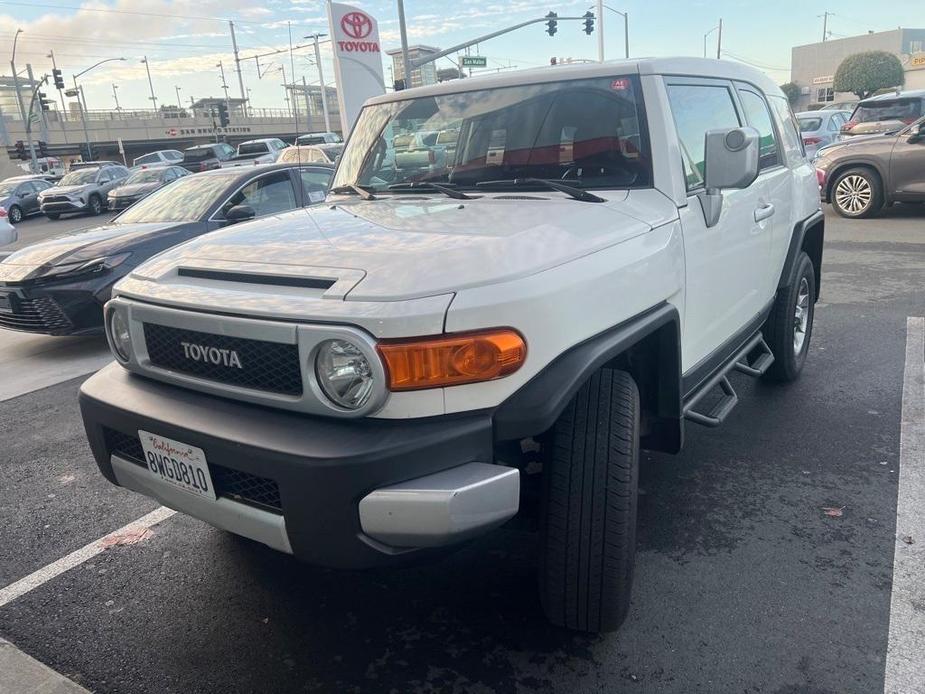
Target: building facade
x,y
420,76
9,106
813,66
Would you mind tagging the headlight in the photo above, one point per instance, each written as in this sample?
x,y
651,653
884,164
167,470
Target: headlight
x,y
120,338
84,267
344,373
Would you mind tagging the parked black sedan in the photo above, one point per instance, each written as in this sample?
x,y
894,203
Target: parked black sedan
x,y
141,183
59,287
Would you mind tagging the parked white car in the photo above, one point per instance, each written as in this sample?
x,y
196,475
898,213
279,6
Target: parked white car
x,y
253,152
382,375
8,233
162,157
326,138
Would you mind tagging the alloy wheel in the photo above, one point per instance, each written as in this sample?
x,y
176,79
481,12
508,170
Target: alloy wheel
x,y
801,316
15,215
854,194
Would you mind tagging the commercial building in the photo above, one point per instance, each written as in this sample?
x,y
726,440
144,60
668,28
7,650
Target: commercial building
x,y
813,66
420,76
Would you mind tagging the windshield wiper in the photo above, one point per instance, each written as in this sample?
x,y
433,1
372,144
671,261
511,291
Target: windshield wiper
x,y
576,193
354,188
445,189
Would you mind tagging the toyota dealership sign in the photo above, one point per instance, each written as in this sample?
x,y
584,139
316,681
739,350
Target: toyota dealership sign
x,y
357,59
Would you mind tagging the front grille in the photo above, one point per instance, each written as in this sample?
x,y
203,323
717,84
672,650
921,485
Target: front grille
x,y
265,366
243,487
42,314
55,198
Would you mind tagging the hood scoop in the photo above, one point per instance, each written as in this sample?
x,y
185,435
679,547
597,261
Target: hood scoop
x,y
322,283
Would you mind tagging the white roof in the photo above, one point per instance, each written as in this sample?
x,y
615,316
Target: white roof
x,y
688,67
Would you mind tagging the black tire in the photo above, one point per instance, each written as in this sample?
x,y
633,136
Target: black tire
x,y
53,215
868,193
14,214
588,512
95,205
781,327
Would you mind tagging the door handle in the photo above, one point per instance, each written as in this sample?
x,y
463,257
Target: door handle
x,y
764,212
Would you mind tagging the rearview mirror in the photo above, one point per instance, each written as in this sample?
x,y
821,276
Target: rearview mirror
x,y
240,213
730,161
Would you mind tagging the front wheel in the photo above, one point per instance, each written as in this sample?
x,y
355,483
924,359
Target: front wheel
x,y
15,214
588,514
95,205
790,325
857,193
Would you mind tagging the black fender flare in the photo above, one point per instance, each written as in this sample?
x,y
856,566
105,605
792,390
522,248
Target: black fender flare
x,y
808,235
656,333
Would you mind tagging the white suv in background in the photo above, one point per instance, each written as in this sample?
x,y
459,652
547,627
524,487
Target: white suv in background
x,y
163,157
447,344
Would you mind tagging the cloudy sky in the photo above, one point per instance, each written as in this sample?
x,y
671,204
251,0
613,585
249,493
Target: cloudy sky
x,y
184,40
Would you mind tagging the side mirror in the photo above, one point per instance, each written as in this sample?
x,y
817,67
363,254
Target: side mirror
x,y
730,161
916,134
240,213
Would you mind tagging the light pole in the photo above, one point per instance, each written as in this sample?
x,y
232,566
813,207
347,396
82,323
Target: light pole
x,y
22,106
719,39
115,96
224,85
179,103
82,102
405,60
150,83
282,68
324,91
626,29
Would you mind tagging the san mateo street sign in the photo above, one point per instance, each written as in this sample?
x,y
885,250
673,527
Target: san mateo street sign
x,y
474,61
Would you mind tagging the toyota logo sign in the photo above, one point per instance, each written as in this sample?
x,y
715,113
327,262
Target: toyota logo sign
x,y
356,25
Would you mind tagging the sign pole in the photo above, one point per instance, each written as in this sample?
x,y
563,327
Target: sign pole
x,y
406,63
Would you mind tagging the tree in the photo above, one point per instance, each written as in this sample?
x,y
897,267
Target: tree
x,y
864,73
792,91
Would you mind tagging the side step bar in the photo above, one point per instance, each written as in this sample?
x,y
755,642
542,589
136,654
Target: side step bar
x,y
753,359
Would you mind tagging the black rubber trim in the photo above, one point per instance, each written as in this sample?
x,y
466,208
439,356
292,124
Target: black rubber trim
x,y
536,405
718,358
796,245
251,278
323,465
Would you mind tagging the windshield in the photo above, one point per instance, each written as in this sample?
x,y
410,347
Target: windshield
x,y
808,125
186,200
905,110
147,176
586,131
76,178
198,153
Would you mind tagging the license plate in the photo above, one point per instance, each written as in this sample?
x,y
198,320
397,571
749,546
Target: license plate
x,y
177,464
6,303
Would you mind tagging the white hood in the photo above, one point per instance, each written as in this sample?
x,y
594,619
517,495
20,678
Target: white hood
x,y
407,247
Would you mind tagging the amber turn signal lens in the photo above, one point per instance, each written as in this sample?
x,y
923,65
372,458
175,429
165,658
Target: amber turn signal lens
x,y
452,360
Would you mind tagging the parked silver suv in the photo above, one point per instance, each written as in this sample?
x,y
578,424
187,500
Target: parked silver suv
x,y
83,190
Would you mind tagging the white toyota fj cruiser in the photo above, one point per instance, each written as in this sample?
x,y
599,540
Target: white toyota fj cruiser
x,y
584,256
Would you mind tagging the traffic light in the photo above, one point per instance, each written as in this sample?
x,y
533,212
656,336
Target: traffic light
x,y
45,101
59,80
223,115
43,148
21,150
85,153
399,85
551,23
589,22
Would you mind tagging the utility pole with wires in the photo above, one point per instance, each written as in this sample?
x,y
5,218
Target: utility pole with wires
x,y
825,23
324,90
115,96
295,102
150,83
221,67
237,67
54,65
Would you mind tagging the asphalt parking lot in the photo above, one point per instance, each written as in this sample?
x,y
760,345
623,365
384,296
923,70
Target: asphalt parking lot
x,y
765,557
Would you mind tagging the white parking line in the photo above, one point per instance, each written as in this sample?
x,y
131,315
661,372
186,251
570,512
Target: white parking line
x,y
905,662
123,535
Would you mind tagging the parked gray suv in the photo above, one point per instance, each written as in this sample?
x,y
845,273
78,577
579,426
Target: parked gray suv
x,y
860,176
83,190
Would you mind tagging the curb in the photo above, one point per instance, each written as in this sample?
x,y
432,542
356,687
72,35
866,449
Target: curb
x,y
20,673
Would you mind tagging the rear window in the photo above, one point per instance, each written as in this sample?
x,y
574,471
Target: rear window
x,y
905,110
148,159
808,125
198,154
253,148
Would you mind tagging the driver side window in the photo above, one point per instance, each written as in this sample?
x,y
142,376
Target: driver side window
x,y
270,194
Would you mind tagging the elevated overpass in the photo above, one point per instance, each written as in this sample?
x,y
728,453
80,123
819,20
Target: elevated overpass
x,y
146,131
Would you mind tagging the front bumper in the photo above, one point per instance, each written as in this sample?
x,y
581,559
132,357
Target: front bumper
x,y
63,206
332,492
120,202
62,308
